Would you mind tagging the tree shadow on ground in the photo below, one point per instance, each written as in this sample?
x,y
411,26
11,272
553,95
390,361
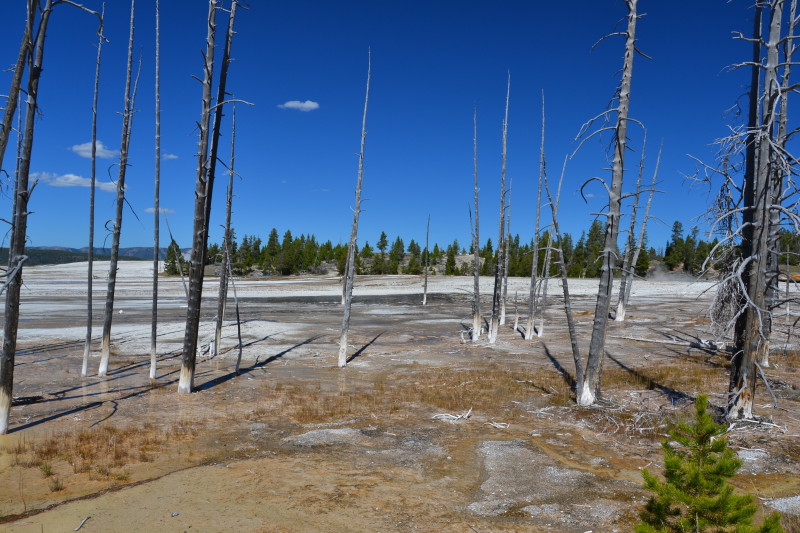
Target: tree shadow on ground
x,y
361,350
258,364
570,381
673,395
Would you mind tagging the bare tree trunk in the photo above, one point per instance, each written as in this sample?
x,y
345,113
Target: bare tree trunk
x,y
207,160
226,259
531,326
351,249
589,388
750,334
627,276
494,326
505,253
156,203
127,120
477,324
16,80
626,273
87,347
545,278
427,264
562,265
16,249
780,168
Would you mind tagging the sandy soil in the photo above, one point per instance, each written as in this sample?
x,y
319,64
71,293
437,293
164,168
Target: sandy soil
x,y
294,444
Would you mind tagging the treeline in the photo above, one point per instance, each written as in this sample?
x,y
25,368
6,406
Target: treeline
x,y
290,255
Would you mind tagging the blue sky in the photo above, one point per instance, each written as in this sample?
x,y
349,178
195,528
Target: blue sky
x,y
432,62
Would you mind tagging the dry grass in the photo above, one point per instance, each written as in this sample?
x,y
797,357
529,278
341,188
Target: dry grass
x,y
103,453
489,390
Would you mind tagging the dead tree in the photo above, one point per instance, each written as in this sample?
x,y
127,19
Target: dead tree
x,y
427,264
351,249
226,242
127,122
156,202
494,325
90,255
477,324
588,388
531,326
543,283
16,80
635,247
750,334
505,253
22,193
206,165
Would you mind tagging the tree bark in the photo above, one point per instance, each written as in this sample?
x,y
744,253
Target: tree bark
x,y
127,120
505,253
494,326
351,249
589,388
750,334
16,249
477,325
223,275
156,203
531,326
87,347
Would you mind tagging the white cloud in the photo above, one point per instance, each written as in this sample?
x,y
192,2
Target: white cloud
x,y
164,210
71,180
103,152
169,157
308,105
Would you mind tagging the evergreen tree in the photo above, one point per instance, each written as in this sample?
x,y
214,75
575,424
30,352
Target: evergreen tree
x,y
594,248
696,496
382,243
174,260
450,263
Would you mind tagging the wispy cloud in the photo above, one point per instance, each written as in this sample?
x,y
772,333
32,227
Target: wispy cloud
x,y
321,190
169,157
163,210
308,105
85,150
71,180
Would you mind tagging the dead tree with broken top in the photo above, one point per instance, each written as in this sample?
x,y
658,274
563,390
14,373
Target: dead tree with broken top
x,y
477,322
497,295
587,387
127,122
92,189
530,328
351,248
225,268
204,186
156,202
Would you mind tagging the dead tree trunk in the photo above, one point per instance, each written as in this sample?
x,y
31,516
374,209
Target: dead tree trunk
x,y
427,264
127,120
779,171
505,253
351,249
589,388
630,243
750,335
16,80
156,203
494,326
543,283
531,326
628,273
16,249
476,266
206,165
226,259
87,347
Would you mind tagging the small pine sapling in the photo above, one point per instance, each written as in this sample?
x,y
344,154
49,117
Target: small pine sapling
x,y
696,495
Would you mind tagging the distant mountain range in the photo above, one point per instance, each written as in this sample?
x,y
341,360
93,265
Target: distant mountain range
x,y
56,255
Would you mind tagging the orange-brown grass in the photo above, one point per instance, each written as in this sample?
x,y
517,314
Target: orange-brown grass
x,y
104,453
687,378
490,390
